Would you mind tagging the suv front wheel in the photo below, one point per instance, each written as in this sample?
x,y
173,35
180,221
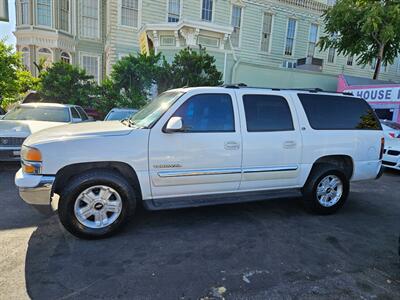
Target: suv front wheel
x,y
326,190
96,204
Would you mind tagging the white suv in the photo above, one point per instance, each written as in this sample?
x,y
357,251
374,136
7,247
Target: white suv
x,y
203,146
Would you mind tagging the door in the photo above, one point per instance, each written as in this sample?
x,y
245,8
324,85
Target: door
x,y
271,141
204,158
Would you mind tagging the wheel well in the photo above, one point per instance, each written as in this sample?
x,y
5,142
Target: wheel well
x,y
343,162
68,172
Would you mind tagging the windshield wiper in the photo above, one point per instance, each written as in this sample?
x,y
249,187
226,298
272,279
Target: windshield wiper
x,y
131,123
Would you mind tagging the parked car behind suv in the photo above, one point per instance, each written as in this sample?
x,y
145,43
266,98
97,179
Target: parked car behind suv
x,y
26,119
203,146
119,114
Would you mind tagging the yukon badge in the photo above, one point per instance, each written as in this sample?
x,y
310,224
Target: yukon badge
x,y
167,166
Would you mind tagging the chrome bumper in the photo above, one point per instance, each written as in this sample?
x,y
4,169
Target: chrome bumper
x,y
35,190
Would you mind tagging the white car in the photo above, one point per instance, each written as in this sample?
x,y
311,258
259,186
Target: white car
x,y
391,156
203,146
391,129
26,119
119,114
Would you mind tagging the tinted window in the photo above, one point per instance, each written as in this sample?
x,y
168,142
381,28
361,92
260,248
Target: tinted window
x,y
50,114
392,125
338,112
75,114
207,113
82,113
267,113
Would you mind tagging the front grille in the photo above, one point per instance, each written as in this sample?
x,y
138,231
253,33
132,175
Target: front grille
x,y
389,163
393,152
11,141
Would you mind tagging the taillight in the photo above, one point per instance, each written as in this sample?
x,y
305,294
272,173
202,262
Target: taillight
x,y
392,135
382,148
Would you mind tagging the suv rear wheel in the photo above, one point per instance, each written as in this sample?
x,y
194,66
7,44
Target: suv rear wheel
x,y
326,190
96,204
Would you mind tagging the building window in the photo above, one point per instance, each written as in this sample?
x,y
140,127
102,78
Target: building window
x,y
288,64
350,60
290,34
91,65
167,40
208,41
44,57
44,12
129,13
24,6
26,57
65,57
331,55
312,40
174,10
235,22
64,15
90,18
266,32
206,10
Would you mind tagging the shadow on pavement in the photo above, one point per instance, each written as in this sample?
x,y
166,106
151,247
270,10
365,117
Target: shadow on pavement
x,y
15,212
259,250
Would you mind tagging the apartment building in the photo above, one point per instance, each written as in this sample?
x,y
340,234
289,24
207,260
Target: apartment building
x,y
258,42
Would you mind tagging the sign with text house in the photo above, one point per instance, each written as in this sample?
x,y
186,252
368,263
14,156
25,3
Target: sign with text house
x,y
378,94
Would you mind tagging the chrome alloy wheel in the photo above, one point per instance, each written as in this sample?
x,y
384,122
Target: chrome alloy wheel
x,y
329,190
98,206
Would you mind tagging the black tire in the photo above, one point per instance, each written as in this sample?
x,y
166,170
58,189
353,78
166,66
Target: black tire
x,y
80,183
318,173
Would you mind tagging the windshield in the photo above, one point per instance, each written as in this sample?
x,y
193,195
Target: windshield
x,y
149,114
392,125
49,114
119,115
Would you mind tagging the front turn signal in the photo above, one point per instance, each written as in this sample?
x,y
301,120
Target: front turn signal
x,y
31,154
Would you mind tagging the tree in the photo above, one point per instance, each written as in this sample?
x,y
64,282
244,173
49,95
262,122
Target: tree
x,y
368,29
133,76
65,83
14,78
10,63
194,68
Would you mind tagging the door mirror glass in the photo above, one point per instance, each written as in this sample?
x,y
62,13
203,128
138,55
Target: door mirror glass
x,y
174,125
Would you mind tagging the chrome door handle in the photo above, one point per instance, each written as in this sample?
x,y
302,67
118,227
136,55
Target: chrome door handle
x,y
289,144
231,145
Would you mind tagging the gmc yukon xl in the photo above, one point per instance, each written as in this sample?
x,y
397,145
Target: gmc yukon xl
x,y
203,146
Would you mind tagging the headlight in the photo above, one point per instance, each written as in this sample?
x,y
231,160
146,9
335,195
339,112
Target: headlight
x,y
31,160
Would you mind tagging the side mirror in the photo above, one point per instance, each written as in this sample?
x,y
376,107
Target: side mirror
x,y
174,125
76,120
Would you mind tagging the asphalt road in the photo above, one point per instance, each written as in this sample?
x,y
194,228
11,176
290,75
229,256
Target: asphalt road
x,y
263,250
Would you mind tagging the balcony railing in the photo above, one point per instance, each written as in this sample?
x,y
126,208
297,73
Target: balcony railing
x,y
308,4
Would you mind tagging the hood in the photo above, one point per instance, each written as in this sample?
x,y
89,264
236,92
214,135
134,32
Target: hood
x,y
23,128
79,130
391,143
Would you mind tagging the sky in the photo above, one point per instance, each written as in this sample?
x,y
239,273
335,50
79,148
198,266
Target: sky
x,y
6,29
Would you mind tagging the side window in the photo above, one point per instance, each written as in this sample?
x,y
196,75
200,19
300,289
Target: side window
x,y
267,113
327,112
75,114
207,113
82,113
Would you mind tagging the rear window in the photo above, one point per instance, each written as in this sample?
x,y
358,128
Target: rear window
x,y
267,113
327,112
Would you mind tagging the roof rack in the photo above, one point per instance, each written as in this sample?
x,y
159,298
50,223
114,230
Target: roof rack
x,y
310,90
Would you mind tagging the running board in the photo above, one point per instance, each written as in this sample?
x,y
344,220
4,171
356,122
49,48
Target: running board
x,y
217,199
